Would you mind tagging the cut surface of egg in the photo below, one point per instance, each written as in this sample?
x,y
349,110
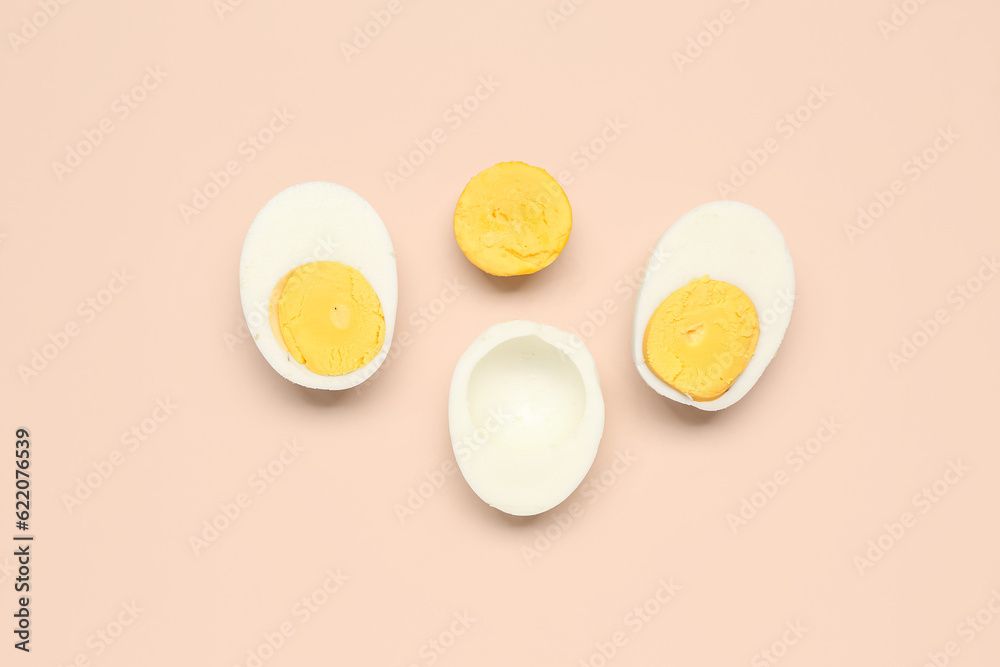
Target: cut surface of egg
x,y
318,285
526,416
512,219
713,305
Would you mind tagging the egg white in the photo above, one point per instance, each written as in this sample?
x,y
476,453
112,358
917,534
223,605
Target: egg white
x,y
310,222
546,419
735,243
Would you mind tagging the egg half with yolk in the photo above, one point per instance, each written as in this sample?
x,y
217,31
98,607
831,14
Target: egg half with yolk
x,y
713,306
318,285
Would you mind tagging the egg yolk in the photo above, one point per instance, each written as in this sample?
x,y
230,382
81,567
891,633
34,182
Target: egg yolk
x,y
512,219
701,337
328,317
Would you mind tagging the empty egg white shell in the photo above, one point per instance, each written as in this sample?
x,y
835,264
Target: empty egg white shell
x,y
735,243
526,416
305,223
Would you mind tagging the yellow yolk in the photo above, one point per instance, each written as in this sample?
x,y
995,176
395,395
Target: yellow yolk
x,y
701,337
328,317
512,219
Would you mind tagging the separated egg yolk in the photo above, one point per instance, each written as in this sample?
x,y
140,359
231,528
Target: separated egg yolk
x,y
701,337
328,317
512,219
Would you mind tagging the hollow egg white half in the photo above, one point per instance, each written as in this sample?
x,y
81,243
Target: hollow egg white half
x,y
309,223
726,241
526,416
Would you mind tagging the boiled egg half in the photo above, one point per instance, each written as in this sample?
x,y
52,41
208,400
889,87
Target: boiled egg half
x,y
713,305
526,416
318,285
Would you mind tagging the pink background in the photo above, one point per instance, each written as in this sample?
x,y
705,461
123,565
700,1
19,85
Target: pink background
x,y
174,332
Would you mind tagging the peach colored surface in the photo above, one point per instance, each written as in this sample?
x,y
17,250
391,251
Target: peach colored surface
x,y
320,552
